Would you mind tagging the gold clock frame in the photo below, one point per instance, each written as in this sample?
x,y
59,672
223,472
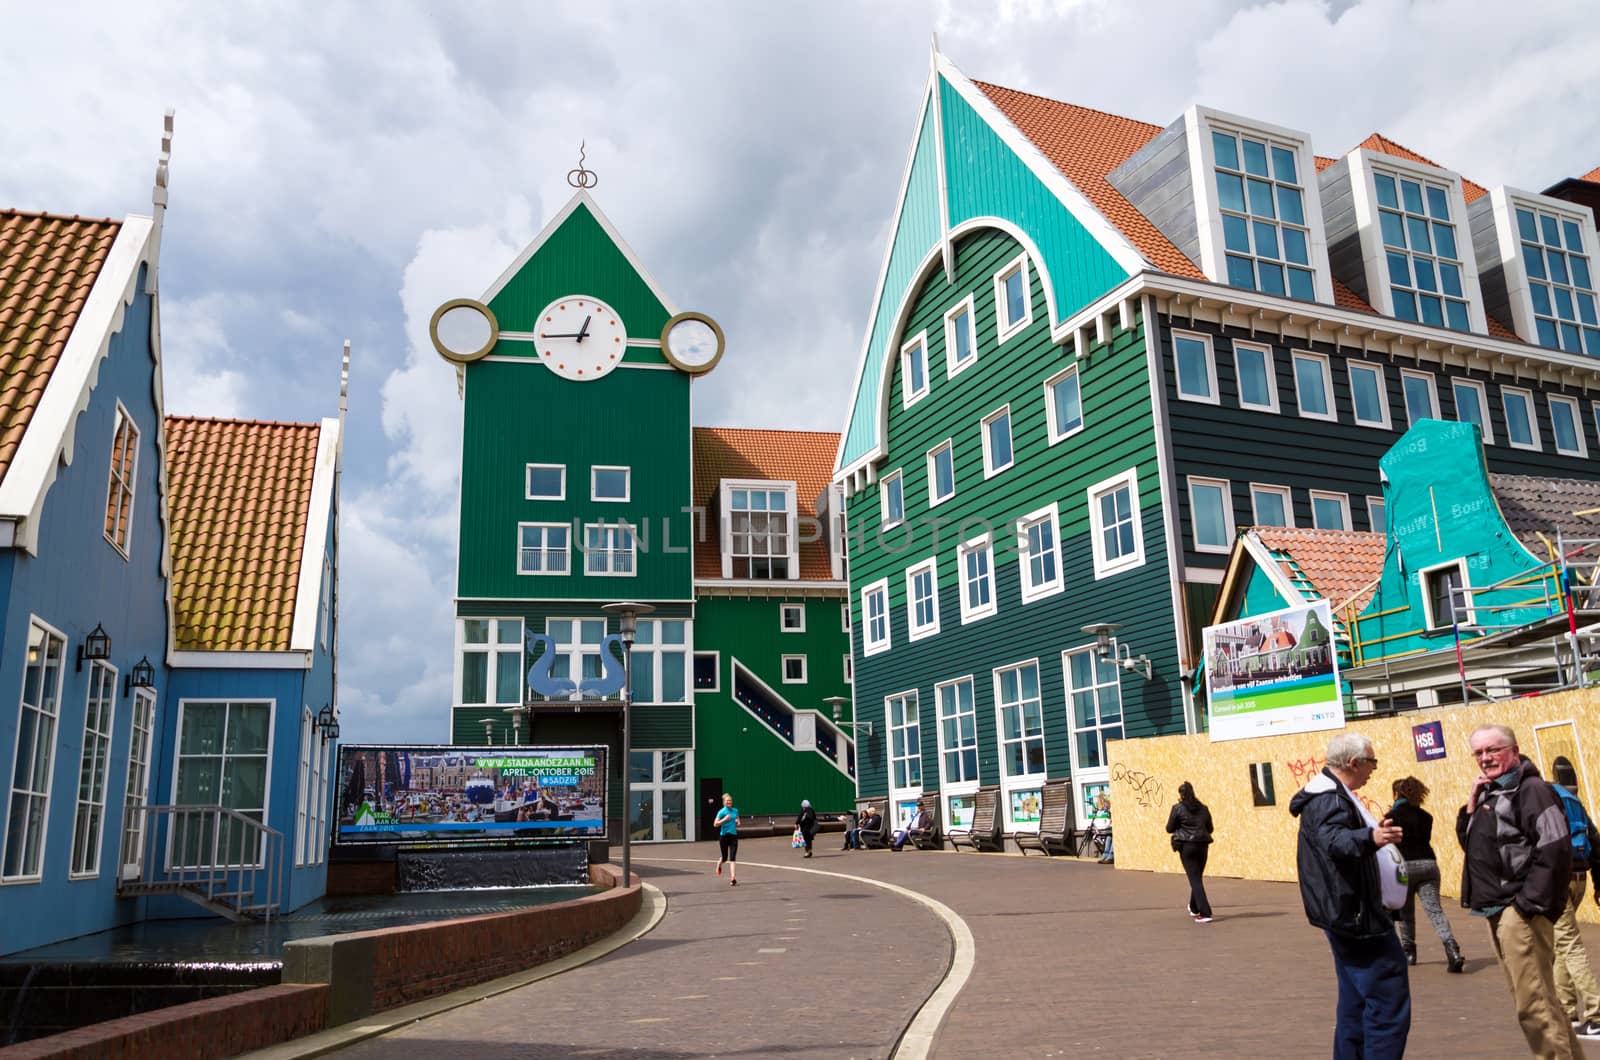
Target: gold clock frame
x,y
463,358
716,329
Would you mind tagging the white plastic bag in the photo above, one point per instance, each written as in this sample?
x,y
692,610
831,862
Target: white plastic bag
x,y
1393,881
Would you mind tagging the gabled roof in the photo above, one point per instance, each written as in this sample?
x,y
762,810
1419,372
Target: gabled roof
x,y
1536,508
802,457
48,265
240,496
1470,190
1342,566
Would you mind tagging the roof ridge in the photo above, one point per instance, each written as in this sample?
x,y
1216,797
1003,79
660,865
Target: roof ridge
x,y
6,211
769,430
1064,103
242,422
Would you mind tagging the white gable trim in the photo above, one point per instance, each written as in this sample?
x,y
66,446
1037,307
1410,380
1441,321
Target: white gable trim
x,y
241,660
580,197
1262,556
324,478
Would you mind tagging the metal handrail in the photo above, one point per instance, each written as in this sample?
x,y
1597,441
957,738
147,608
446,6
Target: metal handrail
x,y
226,859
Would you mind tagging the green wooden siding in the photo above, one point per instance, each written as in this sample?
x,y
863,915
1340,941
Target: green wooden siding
x,y
579,258
765,774
517,414
664,727
1117,437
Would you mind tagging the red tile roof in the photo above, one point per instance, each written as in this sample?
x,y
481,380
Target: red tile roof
x,y
48,264
1593,176
802,457
1471,191
239,494
1342,565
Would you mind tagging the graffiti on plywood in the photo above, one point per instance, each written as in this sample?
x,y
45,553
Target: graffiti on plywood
x,y
1147,790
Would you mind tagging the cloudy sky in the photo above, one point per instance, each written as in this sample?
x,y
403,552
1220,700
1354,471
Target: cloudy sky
x,y
341,168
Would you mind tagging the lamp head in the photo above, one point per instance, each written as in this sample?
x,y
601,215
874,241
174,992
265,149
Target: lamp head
x,y
628,614
1102,633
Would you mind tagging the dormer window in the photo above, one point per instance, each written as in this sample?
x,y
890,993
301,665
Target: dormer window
x,y
1538,266
1262,201
1422,258
759,537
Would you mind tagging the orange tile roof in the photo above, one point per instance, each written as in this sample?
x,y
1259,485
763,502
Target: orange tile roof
x,y
48,263
802,457
239,492
1471,191
1593,176
1342,565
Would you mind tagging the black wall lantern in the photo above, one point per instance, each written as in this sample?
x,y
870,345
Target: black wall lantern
x,y
143,675
328,723
96,647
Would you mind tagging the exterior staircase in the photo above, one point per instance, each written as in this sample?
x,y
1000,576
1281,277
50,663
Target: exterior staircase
x,y
801,728
222,860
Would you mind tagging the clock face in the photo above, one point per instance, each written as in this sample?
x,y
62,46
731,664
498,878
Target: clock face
x,y
692,342
580,338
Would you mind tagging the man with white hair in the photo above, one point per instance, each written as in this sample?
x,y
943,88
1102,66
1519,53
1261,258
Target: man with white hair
x,y
1340,887
1516,870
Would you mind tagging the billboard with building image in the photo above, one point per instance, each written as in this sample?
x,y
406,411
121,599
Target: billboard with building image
x,y
1273,673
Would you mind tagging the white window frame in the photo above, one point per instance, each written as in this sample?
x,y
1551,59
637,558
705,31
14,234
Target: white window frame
x,y
617,539
1333,495
844,616
787,609
953,367
1266,351
849,669
967,785
1505,202
1487,427
1537,444
897,477
990,468
544,550
784,662
1105,567
1019,781
933,477
1433,395
303,788
325,604
122,481
1429,619
791,532
141,739
716,670
1198,124
984,543
1211,398
1351,367
627,492
1364,167
1571,404
574,650
95,759
910,704
1056,433
918,630
1382,505
1050,514
653,792
560,494
1283,492
1070,690
170,860
649,654
493,648
45,740
878,590
1321,359
1229,530
909,395
1005,327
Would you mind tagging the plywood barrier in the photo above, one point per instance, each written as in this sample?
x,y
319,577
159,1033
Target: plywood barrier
x,y
1257,842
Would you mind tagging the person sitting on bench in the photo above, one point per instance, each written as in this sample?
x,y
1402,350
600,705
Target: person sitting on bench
x,y
870,822
852,831
921,825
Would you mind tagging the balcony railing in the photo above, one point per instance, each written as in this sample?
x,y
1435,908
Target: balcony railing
x,y
222,859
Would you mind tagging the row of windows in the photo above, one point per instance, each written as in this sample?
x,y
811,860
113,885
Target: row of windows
x,y
1093,708
1211,511
1063,418
1369,394
608,484
1116,538
492,669
1013,311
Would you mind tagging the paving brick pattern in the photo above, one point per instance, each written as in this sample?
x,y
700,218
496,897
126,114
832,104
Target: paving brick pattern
x,y
1072,958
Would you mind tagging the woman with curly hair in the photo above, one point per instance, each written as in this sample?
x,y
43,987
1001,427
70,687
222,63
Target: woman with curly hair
x,y
1422,869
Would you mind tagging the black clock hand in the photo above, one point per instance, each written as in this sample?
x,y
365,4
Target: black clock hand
x,y
585,329
563,335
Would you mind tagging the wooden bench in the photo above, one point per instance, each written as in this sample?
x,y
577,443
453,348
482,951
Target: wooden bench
x,y
877,838
985,831
933,839
1055,822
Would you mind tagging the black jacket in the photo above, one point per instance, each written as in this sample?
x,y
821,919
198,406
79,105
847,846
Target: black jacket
x,y
1416,826
1518,847
807,821
1190,824
1337,862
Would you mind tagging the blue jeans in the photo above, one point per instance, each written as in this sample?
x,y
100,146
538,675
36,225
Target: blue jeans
x,y
1374,997
852,839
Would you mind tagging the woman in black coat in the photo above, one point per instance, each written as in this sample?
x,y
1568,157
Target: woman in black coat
x,y
807,822
1189,823
1422,872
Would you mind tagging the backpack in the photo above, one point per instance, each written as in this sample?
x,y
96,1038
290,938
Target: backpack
x,y
1577,824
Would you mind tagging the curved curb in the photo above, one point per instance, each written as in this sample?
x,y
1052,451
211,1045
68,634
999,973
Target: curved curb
x,y
651,910
916,1041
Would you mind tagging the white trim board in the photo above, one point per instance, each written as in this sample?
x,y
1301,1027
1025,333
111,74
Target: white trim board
x,y
303,633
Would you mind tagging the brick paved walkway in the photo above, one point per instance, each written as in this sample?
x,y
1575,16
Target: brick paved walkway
x,y
1072,957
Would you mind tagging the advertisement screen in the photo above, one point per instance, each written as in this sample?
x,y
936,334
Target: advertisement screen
x,y
412,794
1273,674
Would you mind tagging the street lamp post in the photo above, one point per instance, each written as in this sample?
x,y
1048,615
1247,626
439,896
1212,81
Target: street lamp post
x,y
628,625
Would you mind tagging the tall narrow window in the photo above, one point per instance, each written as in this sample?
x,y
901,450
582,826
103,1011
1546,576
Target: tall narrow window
x,y
997,454
960,339
1330,511
1013,311
1095,691
1265,235
1421,401
1313,386
1039,545
1369,394
922,600
1064,404
1377,515
1421,250
124,466
89,825
325,604
875,617
760,531
544,548
1566,426
491,660
137,793
975,559
1020,720
941,473
1211,511
892,492
34,763
1522,429
608,549
914,370
1258,389
305,791
905,741
1560,283
1197,371
223,755
1114,517
661,661
958,732
1472,406
1271,505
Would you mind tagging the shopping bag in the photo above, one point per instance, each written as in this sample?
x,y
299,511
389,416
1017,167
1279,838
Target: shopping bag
x,y
799,839
1393,881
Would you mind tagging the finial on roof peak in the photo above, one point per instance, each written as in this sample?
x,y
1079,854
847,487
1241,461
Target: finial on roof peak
x,y
580,177
159,194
